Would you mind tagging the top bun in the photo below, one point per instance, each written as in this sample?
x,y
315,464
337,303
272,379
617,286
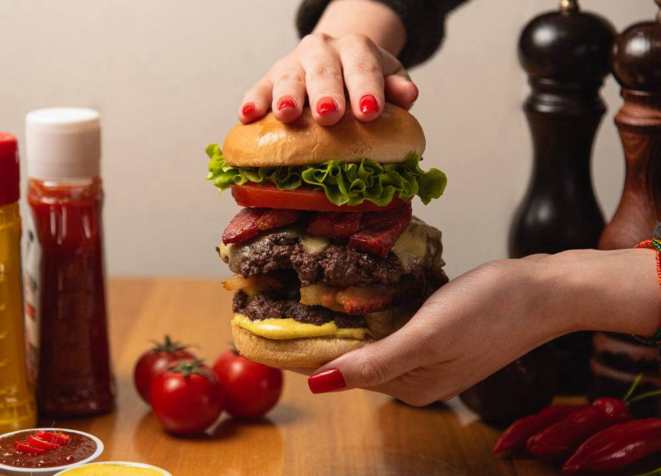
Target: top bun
x,y
270,143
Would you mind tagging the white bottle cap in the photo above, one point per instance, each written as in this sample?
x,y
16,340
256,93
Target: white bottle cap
x,y
63,143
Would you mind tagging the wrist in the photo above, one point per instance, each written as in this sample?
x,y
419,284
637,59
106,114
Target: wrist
x,y
615,291
364,17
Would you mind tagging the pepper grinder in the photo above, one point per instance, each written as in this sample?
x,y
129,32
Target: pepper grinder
x,y
566,56
636,61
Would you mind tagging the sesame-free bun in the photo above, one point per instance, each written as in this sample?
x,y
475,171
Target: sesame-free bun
x,y
270,143
310,353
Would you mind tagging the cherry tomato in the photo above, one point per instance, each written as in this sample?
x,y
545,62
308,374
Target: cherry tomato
x,y
268,196
251,389
186,399
155,361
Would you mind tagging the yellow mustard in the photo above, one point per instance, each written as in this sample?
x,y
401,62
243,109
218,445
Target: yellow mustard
x,y
17,408
111,470
290,329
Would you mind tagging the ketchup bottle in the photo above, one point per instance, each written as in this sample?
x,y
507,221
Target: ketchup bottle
x,y
64,274
17,409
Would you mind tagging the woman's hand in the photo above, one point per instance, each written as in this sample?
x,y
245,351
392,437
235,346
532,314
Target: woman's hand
x,y
353,48
485,319
320,68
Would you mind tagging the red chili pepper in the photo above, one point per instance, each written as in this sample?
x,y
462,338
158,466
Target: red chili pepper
x,y
517,434
41,443
24,447
56,437
561,439
616,447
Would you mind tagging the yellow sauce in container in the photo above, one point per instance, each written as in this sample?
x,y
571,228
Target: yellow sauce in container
x,y
17,407
114,469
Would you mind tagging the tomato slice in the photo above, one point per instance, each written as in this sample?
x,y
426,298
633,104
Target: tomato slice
x,y
268,196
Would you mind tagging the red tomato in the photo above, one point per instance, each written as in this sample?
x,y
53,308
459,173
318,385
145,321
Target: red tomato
x,y
155,361
251,389
187,398
268,196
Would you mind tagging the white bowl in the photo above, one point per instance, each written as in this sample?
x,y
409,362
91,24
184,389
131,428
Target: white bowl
x,y
117,463
14,471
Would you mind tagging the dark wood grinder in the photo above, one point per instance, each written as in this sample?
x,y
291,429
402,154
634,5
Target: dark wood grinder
x,y
636,62
566,55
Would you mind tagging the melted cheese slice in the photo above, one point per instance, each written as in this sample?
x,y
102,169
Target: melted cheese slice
x,y
291,329
411,246
314,244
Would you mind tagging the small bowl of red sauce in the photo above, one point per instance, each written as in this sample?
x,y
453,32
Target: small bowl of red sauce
x,y
46,451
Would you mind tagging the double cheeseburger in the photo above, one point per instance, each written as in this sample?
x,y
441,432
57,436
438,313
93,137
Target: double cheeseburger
x,y
326,253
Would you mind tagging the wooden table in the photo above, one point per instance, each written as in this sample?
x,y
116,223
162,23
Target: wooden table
x,y
349,433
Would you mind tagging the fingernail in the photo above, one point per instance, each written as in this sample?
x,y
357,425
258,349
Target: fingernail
x,y
326,105
416,93
326,381
286,102
249,108
368,104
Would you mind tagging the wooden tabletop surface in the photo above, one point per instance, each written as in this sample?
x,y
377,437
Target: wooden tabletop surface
x,y
348,433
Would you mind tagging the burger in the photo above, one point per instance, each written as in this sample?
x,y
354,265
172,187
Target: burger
x,y
326,253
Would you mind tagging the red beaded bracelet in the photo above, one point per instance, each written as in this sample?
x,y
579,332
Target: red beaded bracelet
x,y
654,245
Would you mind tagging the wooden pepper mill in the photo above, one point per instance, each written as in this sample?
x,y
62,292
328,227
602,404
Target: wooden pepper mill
x,y
566,55
560,211
636,61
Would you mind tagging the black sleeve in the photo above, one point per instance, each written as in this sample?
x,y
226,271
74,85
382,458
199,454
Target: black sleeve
x,y
424,21
657,231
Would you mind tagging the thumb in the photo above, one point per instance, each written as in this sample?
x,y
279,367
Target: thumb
x,y
370,366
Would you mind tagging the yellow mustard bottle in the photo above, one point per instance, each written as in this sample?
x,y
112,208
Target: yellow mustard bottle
x,y
17,407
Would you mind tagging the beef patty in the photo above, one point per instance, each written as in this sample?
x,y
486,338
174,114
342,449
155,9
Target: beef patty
x,y
335,265
265,306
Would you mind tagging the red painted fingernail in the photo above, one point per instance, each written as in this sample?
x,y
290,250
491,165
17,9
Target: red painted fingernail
x,y
368,104
326,381
286,102
326,105
249,108
416,93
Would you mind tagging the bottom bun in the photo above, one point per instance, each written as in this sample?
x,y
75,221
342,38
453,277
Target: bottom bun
x,y
309,353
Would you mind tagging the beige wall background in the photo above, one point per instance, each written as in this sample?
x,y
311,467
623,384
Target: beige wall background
x,y
167,77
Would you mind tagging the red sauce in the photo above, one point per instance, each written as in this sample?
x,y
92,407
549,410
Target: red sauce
x,y
74,374
78,449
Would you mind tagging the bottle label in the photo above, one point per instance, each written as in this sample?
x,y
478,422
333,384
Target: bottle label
x,y
32,288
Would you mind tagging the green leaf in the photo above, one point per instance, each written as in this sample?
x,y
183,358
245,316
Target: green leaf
x,y
343,183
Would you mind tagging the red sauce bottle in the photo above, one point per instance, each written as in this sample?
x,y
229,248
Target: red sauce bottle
x,y
65,281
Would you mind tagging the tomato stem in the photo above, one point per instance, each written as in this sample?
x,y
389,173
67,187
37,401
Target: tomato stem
x,y
188,368
169,345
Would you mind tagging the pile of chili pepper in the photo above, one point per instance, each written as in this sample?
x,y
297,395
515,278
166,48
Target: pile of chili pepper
x,y
591,438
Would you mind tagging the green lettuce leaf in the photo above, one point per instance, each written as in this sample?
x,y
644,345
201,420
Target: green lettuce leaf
x,y
343,183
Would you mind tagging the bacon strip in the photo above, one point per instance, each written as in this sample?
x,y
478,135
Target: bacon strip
x,y
357,300
275,280
373,232
243,226
250,221
380,230
275,218
335,224
375,298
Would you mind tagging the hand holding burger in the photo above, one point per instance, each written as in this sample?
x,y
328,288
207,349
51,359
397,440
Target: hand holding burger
x,y
327,255
315,283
